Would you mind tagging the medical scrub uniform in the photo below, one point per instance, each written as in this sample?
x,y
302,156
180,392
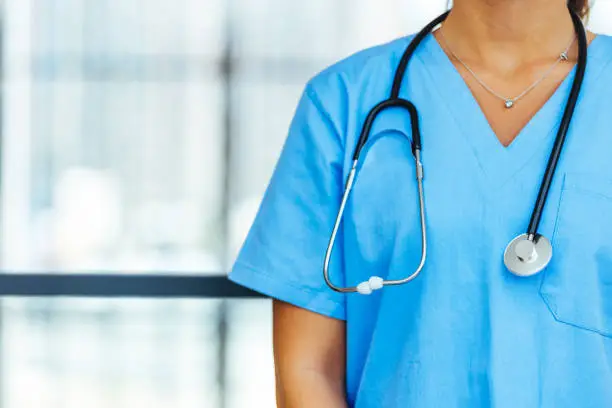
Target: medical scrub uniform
x,y
466,333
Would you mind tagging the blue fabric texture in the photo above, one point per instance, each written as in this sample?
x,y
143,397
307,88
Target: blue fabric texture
x,y
466,333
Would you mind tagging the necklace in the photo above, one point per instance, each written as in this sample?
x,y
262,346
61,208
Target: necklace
x,y
510,102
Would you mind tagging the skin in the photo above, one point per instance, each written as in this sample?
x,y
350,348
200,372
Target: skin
x,y
509,44
309,356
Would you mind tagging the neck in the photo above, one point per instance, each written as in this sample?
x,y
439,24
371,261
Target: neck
x,y
509,32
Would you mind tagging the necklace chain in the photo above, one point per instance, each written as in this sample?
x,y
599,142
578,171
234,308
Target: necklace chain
x,y
509,102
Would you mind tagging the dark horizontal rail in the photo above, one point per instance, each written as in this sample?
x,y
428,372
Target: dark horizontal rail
x,y
114,285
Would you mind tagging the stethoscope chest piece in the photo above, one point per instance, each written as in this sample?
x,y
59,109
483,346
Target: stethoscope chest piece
x,y
526,257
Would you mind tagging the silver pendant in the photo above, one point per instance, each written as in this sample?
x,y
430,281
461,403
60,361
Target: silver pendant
x,y
564,56
509,103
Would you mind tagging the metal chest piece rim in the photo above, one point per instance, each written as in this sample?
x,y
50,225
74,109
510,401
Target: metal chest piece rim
x,y
526,257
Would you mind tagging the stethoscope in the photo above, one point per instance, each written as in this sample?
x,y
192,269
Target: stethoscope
x,y
527,254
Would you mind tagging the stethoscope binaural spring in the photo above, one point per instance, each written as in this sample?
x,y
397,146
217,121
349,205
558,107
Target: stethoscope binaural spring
x,y
527,254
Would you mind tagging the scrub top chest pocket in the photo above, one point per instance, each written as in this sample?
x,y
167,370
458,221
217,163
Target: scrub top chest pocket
x,y
577,286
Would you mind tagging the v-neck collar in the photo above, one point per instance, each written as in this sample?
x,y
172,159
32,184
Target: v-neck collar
x,y
498,162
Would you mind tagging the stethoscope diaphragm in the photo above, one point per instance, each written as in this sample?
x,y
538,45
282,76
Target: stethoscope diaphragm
x,y
526,256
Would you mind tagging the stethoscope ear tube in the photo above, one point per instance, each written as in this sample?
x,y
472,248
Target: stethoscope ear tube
x,y
375,282
332,241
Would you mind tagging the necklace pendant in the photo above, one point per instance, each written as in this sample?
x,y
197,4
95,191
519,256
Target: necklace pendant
x,y
509,103
564,56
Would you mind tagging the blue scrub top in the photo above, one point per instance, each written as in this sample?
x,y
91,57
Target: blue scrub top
x,y
466,333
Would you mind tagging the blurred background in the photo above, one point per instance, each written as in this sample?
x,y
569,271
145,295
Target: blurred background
x,y
137,138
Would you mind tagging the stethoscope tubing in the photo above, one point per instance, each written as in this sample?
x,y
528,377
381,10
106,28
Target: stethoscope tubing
x,y
568,114
395,101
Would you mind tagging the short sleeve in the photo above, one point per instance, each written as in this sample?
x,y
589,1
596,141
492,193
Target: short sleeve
x,y
283,254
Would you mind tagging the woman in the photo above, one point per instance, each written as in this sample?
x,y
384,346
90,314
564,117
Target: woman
x,y
466,332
